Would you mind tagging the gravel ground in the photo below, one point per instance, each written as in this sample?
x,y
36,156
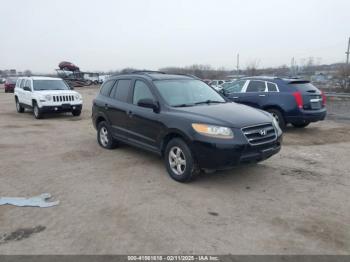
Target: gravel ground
x,y
123,202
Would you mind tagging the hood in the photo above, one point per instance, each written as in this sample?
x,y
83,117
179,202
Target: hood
x,y
228,114
57,92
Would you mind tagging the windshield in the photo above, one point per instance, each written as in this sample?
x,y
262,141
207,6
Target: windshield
x,y
50,85
187,92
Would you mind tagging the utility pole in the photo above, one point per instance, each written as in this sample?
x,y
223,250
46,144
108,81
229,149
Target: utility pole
x,y
238,64
348,53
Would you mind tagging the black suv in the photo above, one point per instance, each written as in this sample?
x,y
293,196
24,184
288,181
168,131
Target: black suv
x,y
184,120
289,100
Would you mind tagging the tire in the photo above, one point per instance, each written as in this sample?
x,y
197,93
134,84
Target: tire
x,y
278,116
19,108
301,125
179,161
76,112
36,111
104,136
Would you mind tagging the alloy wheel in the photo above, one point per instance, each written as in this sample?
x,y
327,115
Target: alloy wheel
x,y
104,136
177,160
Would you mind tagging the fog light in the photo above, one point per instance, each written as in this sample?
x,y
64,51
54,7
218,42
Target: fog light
x,y
56,108
73,107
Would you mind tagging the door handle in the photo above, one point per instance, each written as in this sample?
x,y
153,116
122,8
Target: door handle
x,y
130,113
106,106
235,97
262,95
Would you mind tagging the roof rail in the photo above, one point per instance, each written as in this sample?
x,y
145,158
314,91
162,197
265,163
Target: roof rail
x,y
147,72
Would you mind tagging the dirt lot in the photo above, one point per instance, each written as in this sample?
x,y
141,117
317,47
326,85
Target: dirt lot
x,y
122,201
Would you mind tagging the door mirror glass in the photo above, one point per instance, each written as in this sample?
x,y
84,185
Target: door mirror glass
x,y
26,88
148,103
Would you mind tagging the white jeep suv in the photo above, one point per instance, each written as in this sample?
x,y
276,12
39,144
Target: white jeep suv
x,y
45,95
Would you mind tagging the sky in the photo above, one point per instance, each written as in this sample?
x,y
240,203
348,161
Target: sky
x,y
102,35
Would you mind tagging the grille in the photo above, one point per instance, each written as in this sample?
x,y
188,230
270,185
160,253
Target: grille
x,y
260,134
63,98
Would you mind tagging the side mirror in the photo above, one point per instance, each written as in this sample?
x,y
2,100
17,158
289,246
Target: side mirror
x,y
148,103
26,88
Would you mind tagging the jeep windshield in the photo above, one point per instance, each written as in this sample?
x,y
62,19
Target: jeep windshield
x,y
187,92
50,85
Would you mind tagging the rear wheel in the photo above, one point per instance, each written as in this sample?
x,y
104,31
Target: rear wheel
x,y
20,109
278,116
36,111
179,161
301,125
104,136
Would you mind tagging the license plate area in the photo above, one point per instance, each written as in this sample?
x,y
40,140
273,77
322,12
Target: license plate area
x,y
65,106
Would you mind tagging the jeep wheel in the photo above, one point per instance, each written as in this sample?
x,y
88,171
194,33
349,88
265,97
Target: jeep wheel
x,y
20,109
301,125
76,112
36,111
179,161
104,136
278,116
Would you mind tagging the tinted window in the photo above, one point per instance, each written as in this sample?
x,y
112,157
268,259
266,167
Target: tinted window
x,y
122,92
272,87
304,86
50,85
256,86
141,91
106,88
186,92
234,87
28,84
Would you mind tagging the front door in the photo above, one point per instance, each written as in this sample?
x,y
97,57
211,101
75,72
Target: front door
x,y
145,127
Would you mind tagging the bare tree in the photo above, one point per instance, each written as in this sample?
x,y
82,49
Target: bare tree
x,y
252,67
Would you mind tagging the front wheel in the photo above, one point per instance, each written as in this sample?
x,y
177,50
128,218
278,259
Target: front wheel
x,y
301,125
37,112
278,116
179,161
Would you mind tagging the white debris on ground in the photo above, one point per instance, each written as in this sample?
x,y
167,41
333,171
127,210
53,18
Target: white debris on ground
x,y
37,201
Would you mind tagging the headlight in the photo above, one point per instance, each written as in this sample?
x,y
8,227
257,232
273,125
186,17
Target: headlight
x,y
77,97
48,97
277,126
213,131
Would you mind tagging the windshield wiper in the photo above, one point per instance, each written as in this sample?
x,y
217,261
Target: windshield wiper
x,y
183,105
209,102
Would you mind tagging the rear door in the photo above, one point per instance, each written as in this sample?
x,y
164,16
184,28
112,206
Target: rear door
x,y
312,97
118,108
233,90
254,93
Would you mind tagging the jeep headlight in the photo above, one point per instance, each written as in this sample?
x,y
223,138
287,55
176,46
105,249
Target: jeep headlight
x,y
48,97
277,126
213,131
77,97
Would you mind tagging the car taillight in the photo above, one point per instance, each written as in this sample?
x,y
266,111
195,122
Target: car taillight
x,y
323,98
298,99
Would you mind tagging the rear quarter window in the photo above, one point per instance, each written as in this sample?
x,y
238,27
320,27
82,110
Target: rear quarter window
x,y
122,90
106,88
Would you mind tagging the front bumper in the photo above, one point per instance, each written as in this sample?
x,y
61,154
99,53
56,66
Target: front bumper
x,y
61,108
308,116
222,156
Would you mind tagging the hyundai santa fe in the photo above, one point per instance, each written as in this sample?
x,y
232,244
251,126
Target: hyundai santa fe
x,y
289,100
183,120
